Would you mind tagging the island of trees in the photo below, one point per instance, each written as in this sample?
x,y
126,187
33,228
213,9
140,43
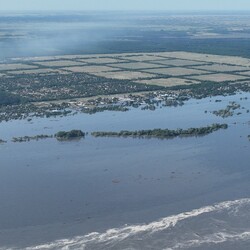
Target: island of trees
x,y
228,111
153,133
163,133
73,134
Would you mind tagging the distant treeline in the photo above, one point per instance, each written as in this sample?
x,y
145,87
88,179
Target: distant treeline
x,y
31,138
61,135
163,133
153,133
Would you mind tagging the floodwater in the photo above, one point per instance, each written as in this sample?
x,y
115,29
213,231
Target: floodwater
x,y
125,193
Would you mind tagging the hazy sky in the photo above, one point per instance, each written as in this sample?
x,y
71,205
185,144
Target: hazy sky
x,y
124,4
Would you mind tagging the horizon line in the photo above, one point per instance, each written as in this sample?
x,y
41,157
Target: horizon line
x,y
125,10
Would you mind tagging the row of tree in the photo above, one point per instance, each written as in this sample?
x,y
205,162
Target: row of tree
x,y
163,133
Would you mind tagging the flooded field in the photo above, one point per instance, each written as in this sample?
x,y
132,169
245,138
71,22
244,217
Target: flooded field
x,y
57,194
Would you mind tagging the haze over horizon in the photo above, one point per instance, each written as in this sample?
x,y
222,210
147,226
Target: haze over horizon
x,y
129,5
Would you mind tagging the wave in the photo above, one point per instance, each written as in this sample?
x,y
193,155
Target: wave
x,y
216,238
172,232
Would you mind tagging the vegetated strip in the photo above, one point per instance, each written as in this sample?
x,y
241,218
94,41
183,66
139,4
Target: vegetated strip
x,y
31,138
163,133
154,133
61,135
13,107
73,134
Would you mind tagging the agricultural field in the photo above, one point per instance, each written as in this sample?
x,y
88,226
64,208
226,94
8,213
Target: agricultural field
x,y
136,65
89,69
221,68
16,66
231,60
76,76
60,63
125,75
36,71
168,82
179,62
245,73
219,77
102,60
176,71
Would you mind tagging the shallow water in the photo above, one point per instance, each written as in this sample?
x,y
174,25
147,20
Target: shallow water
x,y
227,225
52,190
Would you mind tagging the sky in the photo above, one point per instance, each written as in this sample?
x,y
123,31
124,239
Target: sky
x,y
102,5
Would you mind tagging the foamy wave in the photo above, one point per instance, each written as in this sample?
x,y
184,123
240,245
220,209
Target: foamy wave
x,y
216,238
117,235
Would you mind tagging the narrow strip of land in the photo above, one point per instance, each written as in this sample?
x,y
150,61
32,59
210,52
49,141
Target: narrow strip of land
x,y
163,133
